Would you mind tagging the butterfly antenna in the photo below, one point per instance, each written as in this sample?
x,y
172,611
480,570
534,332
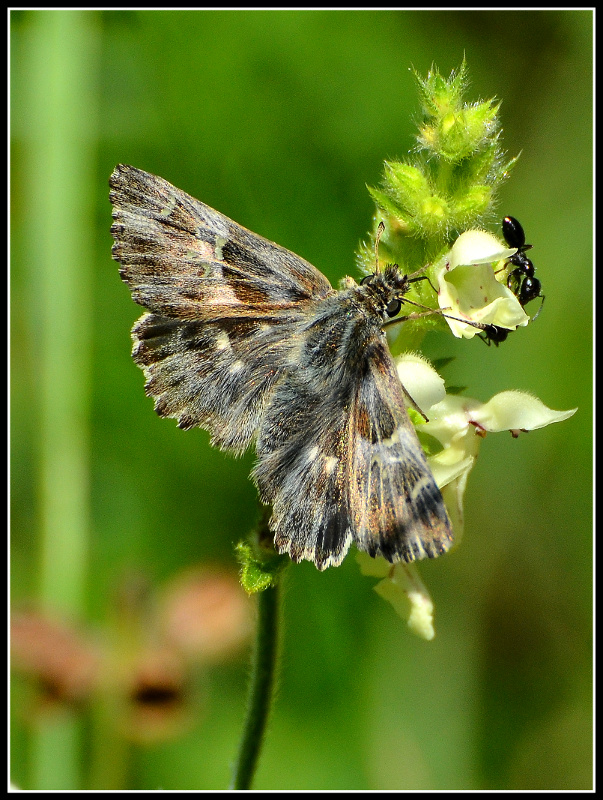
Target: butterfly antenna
x,y
380,229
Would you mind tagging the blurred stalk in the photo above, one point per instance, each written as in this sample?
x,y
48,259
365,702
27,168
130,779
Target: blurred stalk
x,y
57,123
261,686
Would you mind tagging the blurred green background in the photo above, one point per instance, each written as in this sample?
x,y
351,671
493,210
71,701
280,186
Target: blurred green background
x,y
279,119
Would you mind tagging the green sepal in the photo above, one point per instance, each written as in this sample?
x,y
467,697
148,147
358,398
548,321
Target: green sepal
x,y
431,446
384,202
456,389
258,572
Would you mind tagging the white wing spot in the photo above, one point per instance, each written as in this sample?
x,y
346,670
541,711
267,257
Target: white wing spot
x,y
312,453
220,242
222,341
393,439
330,464
167,210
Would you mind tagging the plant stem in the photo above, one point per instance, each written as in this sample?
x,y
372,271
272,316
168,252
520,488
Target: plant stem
x,y
60,176
58,133
261,687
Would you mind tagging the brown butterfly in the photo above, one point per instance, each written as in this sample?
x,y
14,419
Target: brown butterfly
x,y
251,342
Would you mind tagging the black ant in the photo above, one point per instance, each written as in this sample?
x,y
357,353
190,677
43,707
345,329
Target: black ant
x,y
521,280
494,334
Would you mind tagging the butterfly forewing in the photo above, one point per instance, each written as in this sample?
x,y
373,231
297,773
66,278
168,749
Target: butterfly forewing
x,y
226,305
249,341
181,258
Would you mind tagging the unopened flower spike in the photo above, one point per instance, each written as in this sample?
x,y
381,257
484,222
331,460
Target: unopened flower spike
x,y
447,186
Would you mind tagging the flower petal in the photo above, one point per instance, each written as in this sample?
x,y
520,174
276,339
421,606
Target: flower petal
x,y
478,247
407,593
514,410
420,380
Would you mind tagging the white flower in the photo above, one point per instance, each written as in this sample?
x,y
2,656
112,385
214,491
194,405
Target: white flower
x,y
403,588
460,423
456,427
468,289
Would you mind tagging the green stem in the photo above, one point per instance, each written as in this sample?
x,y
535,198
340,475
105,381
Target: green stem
x,y
261,687
63,49
55,119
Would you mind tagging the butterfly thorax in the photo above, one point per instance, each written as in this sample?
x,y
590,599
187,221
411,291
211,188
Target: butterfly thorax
x,y
343,329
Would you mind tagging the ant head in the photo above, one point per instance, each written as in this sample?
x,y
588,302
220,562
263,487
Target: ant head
x,y
493,334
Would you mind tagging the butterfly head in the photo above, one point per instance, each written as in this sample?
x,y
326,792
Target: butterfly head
x,y
385,290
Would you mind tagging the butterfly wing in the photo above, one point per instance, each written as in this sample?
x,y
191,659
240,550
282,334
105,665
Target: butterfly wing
x,y
303,446
339,459
397,507
225,304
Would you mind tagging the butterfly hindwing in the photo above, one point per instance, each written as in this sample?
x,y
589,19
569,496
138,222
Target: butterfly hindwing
x,y
338,456
302,468
397,506
215,375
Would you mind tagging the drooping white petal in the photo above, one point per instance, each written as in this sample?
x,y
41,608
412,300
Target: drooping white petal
x,y
513,410
420,380
407,593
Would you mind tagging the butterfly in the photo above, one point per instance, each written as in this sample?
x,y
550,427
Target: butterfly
x,y
251,342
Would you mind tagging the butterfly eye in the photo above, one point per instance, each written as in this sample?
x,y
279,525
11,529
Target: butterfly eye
x,y
393,308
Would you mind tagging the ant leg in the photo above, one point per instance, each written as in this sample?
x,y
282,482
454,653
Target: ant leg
x,y
540,309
